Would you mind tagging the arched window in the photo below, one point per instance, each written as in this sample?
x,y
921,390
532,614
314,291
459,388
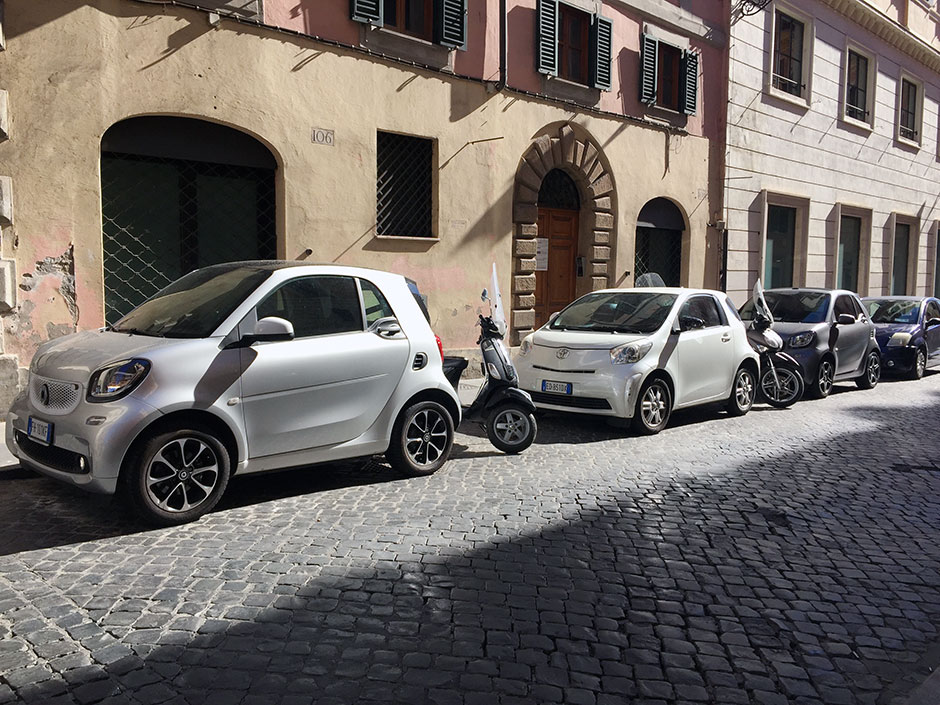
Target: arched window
x,y
559,191
659,230
178,194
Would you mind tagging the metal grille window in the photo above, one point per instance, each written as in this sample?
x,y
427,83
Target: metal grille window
x,y
659,251
788,54
856,89
404,188
907,120
164,217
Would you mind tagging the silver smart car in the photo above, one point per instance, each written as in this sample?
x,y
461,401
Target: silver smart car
x,y
238,368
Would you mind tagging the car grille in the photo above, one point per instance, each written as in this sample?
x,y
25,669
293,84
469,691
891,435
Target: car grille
x,y
52,456
564,400
59,398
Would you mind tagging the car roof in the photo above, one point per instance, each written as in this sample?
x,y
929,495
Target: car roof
x,y
660,290
274,265
896,298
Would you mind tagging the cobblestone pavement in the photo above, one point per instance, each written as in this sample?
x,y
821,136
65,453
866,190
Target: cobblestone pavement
x,y
783,557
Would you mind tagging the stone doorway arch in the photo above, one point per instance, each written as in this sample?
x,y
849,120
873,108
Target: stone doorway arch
x,y
580,157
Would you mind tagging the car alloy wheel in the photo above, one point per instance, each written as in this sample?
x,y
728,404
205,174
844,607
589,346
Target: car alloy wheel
x,y
653,407
421,439
920,364
824,379
182,475
872,371
742,396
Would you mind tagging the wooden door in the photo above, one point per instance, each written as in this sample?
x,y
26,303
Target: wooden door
x,y
555,288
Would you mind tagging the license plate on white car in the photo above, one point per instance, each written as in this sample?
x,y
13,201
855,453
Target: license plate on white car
x,y
39,430
556,387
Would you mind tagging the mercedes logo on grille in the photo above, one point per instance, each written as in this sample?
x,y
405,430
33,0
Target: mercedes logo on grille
x,y
44,394
562,353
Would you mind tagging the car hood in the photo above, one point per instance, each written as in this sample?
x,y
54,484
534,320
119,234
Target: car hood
x,y
584,340
74,357
785,330
884,331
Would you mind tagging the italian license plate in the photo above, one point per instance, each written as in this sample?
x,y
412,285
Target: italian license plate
x,y
556,387
39,430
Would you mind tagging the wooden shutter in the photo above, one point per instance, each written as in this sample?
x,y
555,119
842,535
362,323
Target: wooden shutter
x,y
546,37
688,82
368,11
450,23
649,48
601,51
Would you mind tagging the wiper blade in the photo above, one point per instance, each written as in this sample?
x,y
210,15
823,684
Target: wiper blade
x,y
138,331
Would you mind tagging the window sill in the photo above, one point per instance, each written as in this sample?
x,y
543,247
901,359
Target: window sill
x,y
406,238
907,142
566,89
407,47
667,115
859,124
798,101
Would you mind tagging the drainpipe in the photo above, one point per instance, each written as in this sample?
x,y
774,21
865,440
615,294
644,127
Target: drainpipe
x,y
503,45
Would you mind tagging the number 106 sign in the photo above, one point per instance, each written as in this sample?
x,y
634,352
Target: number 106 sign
x,y
319,136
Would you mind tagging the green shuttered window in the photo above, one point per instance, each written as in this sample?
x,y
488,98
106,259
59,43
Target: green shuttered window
x,y
555,32
668,78
448,17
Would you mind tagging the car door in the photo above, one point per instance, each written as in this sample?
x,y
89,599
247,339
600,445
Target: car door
x,y
704,352
852,342
328,384
932,333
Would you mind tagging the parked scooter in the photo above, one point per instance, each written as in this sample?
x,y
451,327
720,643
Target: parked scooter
x,y
505,411
781,376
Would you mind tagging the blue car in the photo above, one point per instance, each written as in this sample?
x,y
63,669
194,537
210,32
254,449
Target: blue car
x,y
907,329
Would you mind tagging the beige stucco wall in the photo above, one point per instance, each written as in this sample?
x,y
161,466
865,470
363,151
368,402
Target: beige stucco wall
x,y
74,69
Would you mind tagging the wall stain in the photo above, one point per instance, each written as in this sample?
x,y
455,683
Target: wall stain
x,y
61,267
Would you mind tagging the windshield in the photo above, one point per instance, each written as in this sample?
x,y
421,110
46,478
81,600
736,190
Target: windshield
x,y
792,306
194,305
888,311
616,312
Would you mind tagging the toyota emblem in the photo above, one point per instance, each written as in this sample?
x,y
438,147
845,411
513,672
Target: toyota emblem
x,y
562,353
44,394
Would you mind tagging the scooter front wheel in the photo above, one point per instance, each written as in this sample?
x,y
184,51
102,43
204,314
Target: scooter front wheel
x,y
786,390
511,428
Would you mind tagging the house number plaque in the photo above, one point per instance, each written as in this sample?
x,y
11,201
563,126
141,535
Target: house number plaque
x,y
320,136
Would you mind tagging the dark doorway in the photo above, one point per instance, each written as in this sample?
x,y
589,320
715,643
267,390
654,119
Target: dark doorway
x,y
659,231
555,274
179,194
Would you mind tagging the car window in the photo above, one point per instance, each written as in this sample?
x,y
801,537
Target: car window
x,y
420,298
699,308
375,304
857,305
732,311
933,310
844,305
792,306
893,310
616,312
321,305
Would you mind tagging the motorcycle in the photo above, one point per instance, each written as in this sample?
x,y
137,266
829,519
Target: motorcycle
x,y
505,411
781,376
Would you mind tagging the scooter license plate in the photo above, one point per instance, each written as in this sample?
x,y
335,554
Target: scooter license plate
x,y
39,430
556,387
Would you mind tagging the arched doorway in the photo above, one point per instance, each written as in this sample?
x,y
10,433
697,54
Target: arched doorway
x,y
178,194
659,231
557,248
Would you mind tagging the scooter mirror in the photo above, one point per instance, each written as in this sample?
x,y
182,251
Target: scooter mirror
x,y
485,295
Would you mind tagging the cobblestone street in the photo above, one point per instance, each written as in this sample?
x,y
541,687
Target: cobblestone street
x,y
783,557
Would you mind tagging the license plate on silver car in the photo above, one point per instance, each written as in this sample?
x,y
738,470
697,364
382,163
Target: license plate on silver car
x,y
39,430
556,387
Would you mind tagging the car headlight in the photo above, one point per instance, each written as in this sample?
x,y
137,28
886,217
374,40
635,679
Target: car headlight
x,y
117,379
801,340
629,353
899,340
525,346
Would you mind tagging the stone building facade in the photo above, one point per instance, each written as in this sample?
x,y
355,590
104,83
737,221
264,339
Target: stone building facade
x,y
139,140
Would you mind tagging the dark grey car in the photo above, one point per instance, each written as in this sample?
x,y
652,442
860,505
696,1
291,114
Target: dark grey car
x,y
829,334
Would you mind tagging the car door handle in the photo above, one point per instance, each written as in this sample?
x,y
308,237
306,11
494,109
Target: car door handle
x,y
726,337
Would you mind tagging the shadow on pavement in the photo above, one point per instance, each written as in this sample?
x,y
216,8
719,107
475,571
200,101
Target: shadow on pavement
x,y
812,572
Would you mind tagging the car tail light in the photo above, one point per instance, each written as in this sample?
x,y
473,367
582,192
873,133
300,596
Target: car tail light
x,y
440,346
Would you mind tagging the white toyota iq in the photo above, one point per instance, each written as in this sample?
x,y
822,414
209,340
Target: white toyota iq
x,y
238,368
640,353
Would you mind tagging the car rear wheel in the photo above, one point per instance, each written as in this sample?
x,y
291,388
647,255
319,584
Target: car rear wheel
x,y
920,364
742,393
872,373
176,476
653,407
421,439
822,387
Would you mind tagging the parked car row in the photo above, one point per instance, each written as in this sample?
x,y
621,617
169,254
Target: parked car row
x,y
638,354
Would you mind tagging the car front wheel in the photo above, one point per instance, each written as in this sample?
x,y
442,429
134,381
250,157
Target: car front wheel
x,y
872,373
653,407
920,364
177,476
421,439
822,387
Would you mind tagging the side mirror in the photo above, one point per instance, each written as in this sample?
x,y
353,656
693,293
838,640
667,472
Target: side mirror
x,y
270,329
932,323
485,295
690,323
845,319
386,327
553,316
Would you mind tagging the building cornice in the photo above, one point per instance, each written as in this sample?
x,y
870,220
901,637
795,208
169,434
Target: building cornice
x,y
677,19
882,26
